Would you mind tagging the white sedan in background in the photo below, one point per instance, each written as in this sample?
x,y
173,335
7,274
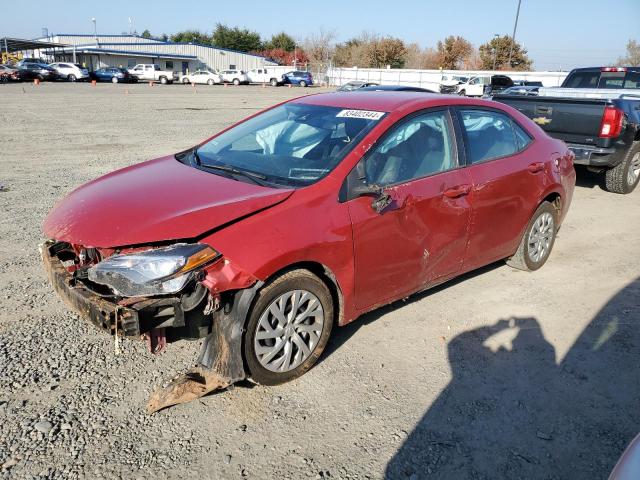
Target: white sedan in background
x,y
70,71
202,76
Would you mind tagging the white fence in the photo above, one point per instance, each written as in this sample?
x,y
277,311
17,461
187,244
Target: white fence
x,y
430,79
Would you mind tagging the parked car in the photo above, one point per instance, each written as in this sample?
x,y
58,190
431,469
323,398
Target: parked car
x,y
527,83
517,90
265,236
274,76
31,60
449,83
396,88
355,85
40,71
497,84
153,72
597,112
236,77
474,87
301,79
203,77
113,75
70,71
8,74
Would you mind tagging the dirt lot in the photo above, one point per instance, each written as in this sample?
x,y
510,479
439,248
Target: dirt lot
x,y
501,374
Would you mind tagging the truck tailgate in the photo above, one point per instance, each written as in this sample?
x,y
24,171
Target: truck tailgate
x,y
574,120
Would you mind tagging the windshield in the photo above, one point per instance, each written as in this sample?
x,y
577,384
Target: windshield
x,y
293,144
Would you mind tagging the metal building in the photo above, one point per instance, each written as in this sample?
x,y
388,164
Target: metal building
x,y
99,51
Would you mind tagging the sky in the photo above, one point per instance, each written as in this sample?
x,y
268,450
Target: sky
x,y
558,34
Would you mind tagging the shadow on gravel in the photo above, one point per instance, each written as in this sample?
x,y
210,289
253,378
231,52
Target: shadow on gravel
x,y
511,412
587,179
340,335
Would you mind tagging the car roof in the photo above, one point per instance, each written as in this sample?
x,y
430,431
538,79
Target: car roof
x,y
388,101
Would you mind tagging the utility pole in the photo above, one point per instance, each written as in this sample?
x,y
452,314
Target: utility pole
x,y
495,50
513,37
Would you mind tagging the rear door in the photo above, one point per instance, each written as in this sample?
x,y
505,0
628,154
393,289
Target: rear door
x,y
422,234
508,176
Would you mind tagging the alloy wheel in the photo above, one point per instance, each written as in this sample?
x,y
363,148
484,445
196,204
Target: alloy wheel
x,y
288,330
540,237
634,170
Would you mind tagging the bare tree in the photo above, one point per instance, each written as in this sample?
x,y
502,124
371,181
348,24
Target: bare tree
x,y
633,55
427,58
320,47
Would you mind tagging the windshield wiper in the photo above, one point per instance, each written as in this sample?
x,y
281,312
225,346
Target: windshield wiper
x,y
258,178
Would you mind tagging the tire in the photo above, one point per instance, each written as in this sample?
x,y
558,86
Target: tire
x,y
525,258
236,82
261,316
185,81
40,77
302,83
624,177
114,79
210,81
462,93
163,80
71,77
273,82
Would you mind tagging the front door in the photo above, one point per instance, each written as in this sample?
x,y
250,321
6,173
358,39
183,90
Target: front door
x,y
422,234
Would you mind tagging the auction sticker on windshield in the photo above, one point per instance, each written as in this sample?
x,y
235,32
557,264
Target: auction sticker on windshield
x,y
366,114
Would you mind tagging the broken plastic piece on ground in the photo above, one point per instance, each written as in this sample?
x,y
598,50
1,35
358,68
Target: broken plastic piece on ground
x,y
186,387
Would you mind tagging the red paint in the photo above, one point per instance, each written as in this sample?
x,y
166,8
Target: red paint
x,y
435,228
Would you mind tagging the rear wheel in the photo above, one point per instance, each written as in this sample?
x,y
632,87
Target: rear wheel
x,y
273,82
236,81
114,79
185,80
210,81
302,83
288,328
624,177
71,77
538,239
163,80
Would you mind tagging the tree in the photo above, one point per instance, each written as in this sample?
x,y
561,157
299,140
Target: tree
x,y
419,58
453,51
352,52
193,36
320,47
282,57
496,52
633,55
386,51
281,41
146,34
236,38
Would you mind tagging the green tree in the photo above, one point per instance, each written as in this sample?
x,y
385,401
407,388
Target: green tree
x,y
236,38
281,41
496,53
453,51
633,55
194,36
146,34
386,51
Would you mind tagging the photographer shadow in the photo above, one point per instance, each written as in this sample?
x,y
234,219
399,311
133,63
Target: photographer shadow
x,y
511,411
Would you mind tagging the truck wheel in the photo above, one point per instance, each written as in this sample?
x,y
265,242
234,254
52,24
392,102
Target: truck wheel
x,y
624,177
462,93
273,82
537,241
288,328
236,82
163,80
114,79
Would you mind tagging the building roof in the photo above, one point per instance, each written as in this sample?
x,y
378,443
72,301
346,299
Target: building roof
x,y
19,45
128,53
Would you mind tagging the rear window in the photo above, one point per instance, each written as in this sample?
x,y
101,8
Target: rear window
x,y
583,80
611,80
632,80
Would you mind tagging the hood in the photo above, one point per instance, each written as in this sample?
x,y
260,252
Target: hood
x,y
154,201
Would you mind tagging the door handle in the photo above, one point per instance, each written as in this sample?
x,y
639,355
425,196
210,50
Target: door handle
x,y
536,167
459,191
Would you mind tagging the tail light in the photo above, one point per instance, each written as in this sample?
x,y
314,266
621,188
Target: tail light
x,y
611,125
613,69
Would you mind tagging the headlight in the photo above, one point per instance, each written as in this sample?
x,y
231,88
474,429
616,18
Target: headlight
x,y
159,271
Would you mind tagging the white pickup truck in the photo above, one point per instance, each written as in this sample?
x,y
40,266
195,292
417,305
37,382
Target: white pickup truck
x,y
153,72
273,75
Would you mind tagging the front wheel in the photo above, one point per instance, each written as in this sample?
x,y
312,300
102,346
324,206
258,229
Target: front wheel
x,y
185,81
114,79
236,82
163,80
538,239
288,327
302,83
462,93
210,81
624,178
71,77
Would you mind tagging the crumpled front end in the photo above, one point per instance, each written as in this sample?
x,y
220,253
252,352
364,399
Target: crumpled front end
x,y
213,304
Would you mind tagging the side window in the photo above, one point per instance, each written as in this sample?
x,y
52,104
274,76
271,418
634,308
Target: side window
x,y
522,138
416,148
489,135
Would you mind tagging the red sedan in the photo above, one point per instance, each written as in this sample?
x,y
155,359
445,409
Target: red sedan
x,y
306,216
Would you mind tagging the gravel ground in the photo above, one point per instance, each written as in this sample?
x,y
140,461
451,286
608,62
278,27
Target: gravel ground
x,y
501,374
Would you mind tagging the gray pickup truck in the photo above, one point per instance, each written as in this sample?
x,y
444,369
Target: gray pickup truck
x,y
596,112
